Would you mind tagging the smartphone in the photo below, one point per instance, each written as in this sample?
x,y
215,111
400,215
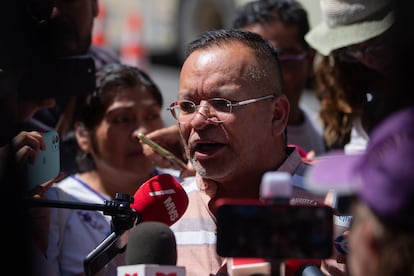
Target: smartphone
x,y
162,151
257,230
47,163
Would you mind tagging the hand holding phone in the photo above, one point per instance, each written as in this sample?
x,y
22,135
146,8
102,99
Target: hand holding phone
x,y
162,151
47,163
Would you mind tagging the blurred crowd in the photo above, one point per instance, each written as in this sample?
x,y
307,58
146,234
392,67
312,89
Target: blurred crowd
x,y
238,114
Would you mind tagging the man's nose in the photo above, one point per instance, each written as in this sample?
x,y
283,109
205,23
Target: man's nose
x,y
203,110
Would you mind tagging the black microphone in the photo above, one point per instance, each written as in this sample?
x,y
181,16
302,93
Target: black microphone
x,y
151,250
151,242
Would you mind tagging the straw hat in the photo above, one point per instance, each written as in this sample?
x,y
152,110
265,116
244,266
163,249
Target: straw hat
x,y
347,22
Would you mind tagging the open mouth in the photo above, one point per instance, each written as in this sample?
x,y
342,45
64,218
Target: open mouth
x,y
207,148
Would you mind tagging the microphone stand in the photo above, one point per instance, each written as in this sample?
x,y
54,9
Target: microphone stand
x,y
123,218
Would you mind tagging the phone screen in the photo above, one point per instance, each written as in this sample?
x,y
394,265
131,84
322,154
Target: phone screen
x,y
274,231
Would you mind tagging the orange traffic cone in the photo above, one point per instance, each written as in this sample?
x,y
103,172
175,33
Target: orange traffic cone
x,y
132,49
98,31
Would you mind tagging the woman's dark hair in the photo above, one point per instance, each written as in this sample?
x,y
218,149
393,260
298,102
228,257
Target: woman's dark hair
x,y
109,80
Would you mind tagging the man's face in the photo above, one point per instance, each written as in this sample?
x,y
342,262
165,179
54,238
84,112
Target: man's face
x,y
295,61
71,26
239,145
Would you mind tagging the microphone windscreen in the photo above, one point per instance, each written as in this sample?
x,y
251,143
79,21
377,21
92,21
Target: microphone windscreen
x,y
161,198
276,184
311,270
151,242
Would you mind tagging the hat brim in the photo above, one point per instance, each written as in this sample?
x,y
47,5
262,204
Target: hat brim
x,y
325,39
334,171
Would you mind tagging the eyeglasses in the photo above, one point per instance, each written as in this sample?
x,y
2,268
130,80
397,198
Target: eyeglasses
x,y
217,110
290,61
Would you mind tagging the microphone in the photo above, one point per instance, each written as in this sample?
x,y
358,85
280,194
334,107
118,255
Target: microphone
x,y
311,270
276,188
161,198
151,251
151,243
248,266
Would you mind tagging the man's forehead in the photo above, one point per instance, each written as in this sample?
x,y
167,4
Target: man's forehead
x,y
226,53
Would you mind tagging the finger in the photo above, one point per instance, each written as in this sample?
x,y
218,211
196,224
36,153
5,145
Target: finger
x,y
26,154
33,139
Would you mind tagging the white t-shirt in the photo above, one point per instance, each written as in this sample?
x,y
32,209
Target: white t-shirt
x,y
307,135
74,233
359,139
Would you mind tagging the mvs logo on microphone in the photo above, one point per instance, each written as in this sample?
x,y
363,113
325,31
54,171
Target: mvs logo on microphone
x,y
171,208
161,198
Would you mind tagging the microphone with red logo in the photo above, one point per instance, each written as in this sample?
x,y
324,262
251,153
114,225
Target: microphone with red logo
x,y
161,198
151,251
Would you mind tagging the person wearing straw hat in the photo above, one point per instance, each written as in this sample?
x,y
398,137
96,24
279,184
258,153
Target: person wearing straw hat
x,y
354,40
380,183
349,22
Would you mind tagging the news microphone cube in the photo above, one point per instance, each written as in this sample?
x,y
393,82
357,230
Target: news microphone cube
x,y
248,266
150,270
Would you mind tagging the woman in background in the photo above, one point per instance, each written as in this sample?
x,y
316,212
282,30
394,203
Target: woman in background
x,y
111,160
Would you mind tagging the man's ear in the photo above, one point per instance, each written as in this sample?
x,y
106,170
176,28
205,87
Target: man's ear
x,y
281,109
82,137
